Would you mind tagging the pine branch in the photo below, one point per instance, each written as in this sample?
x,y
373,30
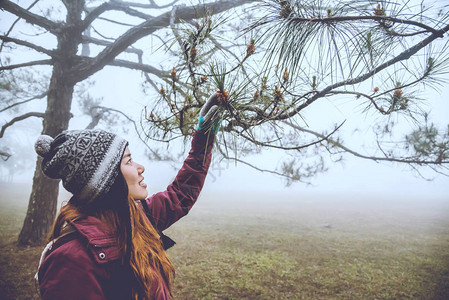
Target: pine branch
x,y
20,118
401,57
333,20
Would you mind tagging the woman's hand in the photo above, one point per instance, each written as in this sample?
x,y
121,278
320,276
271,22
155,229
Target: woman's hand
x,y
208,115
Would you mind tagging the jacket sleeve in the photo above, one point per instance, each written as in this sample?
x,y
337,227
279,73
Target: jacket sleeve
x,y
169,206
69,275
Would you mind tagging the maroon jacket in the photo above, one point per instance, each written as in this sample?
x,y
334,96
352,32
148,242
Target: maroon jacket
x,y
84,264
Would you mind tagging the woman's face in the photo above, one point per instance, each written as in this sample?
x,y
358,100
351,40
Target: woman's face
x,y
132,172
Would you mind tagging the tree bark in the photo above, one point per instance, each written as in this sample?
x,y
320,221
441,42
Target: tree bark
x,y
41,208
44,194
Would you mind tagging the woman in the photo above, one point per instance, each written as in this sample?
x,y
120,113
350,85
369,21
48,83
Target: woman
x,y
107,242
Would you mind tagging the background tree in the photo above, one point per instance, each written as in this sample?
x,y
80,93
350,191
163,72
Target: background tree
x,y
63,45
269,62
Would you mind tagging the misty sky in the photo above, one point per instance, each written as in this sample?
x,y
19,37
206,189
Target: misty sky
x,y
353,177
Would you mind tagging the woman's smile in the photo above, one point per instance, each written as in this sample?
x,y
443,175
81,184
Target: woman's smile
x,y
132,172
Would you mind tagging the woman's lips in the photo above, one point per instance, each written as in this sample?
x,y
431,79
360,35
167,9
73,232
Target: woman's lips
x,y
142,183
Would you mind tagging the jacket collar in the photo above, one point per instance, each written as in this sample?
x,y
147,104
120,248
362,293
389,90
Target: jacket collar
x,y
101,242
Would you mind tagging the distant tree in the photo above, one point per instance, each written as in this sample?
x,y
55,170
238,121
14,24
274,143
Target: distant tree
x,y
5,154
64,45
15,160
271,62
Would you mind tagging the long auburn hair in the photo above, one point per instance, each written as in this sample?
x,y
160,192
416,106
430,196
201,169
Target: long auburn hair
x,y
138,241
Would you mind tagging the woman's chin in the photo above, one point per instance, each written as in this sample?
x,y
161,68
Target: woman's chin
x,y
140,194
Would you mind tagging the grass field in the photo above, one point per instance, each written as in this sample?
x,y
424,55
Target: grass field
x,y
262,246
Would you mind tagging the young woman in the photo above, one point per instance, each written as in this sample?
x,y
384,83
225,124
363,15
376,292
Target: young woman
x,y
106,241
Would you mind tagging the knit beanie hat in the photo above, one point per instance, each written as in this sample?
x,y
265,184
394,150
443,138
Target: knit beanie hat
x,y
87,161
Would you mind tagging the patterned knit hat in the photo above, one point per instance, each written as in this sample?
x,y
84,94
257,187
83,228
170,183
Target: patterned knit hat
x,y
87,161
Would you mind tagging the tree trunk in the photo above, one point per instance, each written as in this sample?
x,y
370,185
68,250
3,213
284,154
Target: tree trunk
x,y
41,208
44,194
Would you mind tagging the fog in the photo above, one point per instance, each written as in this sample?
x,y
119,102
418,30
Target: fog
x,y
355,178
361,230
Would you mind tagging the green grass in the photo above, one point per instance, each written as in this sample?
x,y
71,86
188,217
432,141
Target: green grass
x,y
320,249
235,246
17,264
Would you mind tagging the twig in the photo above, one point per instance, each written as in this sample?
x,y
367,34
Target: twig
x,y
375,158
25,101
28,64
5,155
103,108
8,39
20,118
15,22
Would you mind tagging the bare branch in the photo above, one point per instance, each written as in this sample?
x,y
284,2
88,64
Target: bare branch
x,y
20,118
151,5
145,74
355,153
88,39
111,39
94,13
112,5
225,156
7,39
28,64
29,17
15,22
146,69
25,101
95,120
5,155
322,139
107,109
115,22
84,70
137,66
370,98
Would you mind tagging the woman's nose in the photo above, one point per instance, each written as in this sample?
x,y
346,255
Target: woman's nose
x,y
140,168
